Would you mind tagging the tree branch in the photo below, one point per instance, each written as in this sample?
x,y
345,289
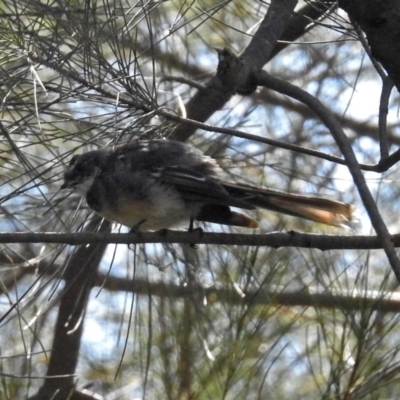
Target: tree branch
x,y
328,118
383,301
237,72
274,239
380,22
354,301
271,142
303,21
79,279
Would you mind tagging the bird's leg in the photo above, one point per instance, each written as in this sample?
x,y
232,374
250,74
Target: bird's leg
x,y
192,229
136,229
191,224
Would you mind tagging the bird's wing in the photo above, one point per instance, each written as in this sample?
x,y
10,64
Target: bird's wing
x,y
192,174
195,186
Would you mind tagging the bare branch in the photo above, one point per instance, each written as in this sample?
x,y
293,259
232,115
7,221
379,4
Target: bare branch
x,y
79,279
354,301
274,239
343,143
219,91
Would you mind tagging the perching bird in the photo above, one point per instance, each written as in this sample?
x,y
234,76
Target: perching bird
x,y
158,184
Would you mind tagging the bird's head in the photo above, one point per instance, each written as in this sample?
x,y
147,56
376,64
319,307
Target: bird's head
x,y
82,170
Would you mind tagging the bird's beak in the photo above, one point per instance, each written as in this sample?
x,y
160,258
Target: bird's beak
x,y
64,186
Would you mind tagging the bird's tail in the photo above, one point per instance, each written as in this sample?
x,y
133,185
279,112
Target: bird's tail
x,y
325,211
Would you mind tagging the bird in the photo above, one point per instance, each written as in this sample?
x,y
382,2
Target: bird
x,y
158,184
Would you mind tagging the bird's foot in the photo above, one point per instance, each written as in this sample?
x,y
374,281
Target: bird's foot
x,y
195,246
136,229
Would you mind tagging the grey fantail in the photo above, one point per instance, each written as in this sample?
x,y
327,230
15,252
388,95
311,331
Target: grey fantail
x,y
157,184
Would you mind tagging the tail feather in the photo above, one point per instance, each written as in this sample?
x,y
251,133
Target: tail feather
x,y
325,211
328,212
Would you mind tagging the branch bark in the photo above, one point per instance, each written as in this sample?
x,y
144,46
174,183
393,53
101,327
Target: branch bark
x,y
354,301
379,19
274,239
237,74
79,279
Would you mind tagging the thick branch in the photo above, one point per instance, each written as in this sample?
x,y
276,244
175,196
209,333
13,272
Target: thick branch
x,y
79,279
379,19
303,21
237,74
